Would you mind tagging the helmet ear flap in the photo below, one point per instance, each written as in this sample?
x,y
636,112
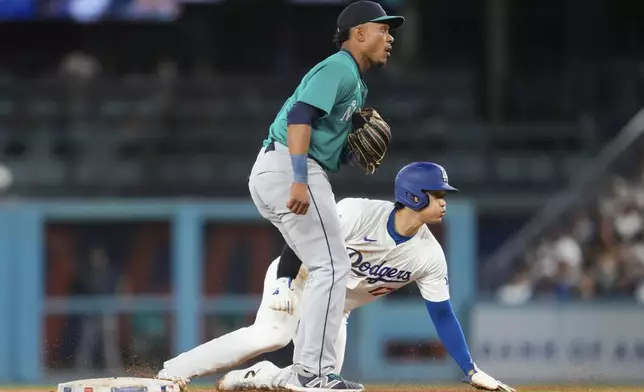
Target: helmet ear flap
x,y
419,201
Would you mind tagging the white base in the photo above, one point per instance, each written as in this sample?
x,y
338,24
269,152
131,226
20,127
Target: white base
x,y
119,384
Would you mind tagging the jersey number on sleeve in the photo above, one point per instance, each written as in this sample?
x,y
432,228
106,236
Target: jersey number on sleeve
x,y
378,291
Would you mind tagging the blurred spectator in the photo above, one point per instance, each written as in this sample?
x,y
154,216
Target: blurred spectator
x,y
583,228
545,264
636,254
79,65
100,278
572,263
518,290
606,272
619,195
566,280
587,287
567,250
87,11
628,222
161,8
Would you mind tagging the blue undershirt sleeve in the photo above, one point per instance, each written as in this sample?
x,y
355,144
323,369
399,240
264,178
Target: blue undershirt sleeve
x,y
302,113
451,334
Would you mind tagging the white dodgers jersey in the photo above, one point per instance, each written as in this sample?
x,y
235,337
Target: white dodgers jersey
x,y
378,265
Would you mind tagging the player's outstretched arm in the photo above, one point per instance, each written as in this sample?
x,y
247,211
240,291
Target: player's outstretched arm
x,y
451,334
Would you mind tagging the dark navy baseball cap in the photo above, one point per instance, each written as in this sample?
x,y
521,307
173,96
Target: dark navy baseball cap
x,y
365,11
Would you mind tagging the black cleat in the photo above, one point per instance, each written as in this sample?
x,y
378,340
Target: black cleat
x,y
327,383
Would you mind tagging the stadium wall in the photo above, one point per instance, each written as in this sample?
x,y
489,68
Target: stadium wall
x,y
566,342
389,340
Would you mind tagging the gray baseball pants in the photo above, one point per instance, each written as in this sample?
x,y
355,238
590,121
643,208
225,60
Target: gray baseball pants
x,y
317,240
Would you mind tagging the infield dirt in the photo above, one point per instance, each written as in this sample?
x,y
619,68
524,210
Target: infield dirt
x,y
417,388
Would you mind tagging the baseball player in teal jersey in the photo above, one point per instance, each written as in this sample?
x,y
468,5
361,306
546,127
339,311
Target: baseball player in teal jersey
x,y
308,138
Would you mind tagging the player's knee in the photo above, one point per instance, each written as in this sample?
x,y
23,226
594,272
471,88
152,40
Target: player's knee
x,y
336,272
279,335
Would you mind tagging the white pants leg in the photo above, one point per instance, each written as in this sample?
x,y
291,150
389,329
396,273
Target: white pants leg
x,y
271,331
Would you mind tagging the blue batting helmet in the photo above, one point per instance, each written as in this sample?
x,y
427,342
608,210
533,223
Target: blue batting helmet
x,y
417,178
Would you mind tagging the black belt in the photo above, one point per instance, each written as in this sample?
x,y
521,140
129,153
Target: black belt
x,y
271,147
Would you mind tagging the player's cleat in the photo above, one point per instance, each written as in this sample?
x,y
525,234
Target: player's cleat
x,y
330,382
259,376
181,382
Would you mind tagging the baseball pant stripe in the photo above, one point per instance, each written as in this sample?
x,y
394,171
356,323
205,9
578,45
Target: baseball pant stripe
x,y
328,305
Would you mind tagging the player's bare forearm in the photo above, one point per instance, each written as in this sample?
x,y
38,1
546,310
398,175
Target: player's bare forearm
x,y
299,137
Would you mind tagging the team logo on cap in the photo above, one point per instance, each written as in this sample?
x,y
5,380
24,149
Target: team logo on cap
x,y
443,174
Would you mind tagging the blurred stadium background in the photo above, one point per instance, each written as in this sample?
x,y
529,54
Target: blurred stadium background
x,y
128,129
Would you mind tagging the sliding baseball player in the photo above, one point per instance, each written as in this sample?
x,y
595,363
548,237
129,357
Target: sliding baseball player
x,y
389,246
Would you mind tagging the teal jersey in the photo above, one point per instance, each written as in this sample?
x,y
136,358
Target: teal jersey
x,y
335,87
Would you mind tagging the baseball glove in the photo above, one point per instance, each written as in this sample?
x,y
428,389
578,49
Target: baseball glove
x,y
369,141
